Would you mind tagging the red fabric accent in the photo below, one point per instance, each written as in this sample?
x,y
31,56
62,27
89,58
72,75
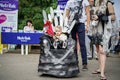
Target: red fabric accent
x,y
49,28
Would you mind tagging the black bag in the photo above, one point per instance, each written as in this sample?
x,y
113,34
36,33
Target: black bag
x,y
76,17
104,18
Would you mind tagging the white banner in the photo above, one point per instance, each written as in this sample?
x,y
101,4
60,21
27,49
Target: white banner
x,y
9,14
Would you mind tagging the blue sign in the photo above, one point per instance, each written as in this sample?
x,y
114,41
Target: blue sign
x,y
20,38
9,5
62,0
6,29
62,4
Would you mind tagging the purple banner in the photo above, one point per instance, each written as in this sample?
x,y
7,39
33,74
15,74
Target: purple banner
x,y
62,0
8,5
6,29
62,3
20,38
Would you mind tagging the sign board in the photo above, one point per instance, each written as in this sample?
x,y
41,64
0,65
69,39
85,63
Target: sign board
x,y
9,13
20,38
6,29
61,4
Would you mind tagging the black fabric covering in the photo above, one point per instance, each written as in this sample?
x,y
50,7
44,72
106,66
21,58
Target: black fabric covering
x,y
58,62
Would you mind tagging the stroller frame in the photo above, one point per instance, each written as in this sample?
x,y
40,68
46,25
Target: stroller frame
x,y
58,62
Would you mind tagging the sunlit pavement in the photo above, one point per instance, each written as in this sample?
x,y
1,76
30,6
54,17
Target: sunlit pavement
x,y
14,66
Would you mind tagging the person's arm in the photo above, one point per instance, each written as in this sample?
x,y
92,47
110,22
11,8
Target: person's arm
x,y
67,16
67,13
88,17
111,10
24,29
32,28
67,10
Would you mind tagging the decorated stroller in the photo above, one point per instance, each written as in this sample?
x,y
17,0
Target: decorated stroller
x,y
59,62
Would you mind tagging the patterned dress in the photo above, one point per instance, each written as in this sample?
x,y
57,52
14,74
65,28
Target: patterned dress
x,y
104,29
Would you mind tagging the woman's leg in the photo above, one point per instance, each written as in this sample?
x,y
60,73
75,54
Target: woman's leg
x,y
78,46
98,54
102,61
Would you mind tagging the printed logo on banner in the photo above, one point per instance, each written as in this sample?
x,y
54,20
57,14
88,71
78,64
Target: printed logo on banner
x,y
6,29
9,5
62,0
24,38
62,4
2,18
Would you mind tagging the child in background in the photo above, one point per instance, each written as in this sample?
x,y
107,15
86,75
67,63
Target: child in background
x,y
59,38
28,28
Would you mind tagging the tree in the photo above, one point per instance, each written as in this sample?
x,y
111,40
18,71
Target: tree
x,y
32,9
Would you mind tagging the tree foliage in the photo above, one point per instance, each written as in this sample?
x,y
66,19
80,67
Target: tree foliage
x,y
32,9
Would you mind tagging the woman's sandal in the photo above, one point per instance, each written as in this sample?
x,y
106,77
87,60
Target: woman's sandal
x,y
96,72
103,78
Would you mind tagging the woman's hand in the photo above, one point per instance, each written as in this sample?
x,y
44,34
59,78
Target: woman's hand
x,y
32,28
95,17
87,28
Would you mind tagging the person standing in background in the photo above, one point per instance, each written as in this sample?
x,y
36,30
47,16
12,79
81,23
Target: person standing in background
x,y
102,33
73,7
28,28
90,33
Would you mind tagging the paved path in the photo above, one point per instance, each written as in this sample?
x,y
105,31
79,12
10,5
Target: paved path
x,y
14,66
